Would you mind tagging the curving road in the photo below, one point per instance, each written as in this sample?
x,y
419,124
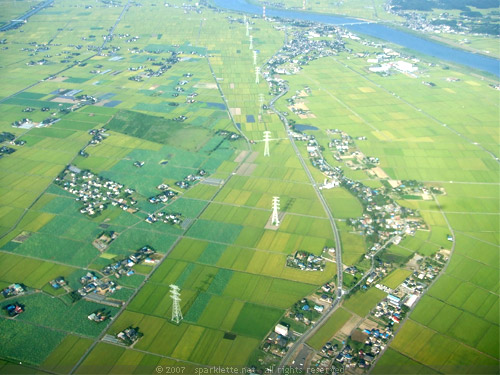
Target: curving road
x,y
338,245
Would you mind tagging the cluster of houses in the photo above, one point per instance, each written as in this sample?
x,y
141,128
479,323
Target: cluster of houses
x,y
167,218
427,269
305,261
231,136
383,217
164,196
124,267
5,150
278,340
95,192
180,118
97,136
351,358
390,310
415,190
191,179
345,150
161,66
393,309
464,23
380,271
26,123
7,137
13,290
303,46
92,284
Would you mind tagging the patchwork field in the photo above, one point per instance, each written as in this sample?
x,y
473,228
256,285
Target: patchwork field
x,y
170,103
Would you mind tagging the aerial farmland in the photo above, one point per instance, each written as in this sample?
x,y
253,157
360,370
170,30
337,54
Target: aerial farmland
x,y
191,189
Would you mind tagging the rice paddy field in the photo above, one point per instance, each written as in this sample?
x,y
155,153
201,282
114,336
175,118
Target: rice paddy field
x,y
228,261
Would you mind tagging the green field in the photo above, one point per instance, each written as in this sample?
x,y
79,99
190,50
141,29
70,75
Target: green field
x,y
165,85
395,278
362,302
329,328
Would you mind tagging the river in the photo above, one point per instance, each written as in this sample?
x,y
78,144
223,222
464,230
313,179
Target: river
x,y
383,32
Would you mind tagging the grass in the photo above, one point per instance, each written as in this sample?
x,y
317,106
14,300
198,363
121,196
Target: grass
x,y
228,255
362,302
54,313
42,341
158,129
395,278
329,328
63,358
34,273
256,321
393,362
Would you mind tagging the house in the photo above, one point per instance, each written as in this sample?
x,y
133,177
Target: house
x,y
58,282
319,308
371,278
410,302
129,335
14,309
393,300
281,329
13,290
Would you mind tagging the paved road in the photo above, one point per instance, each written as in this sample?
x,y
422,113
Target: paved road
x,y
338,244
338,249
112,30
25,16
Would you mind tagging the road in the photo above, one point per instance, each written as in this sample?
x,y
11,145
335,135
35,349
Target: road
x,y
109,37
338,245
26,15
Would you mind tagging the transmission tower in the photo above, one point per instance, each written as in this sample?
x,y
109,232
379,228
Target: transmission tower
x,y
251,42
257,75
254,57
176,307
248,27
261,105
267,138
276,205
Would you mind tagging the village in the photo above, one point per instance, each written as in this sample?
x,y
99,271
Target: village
x,y
383,223
95,192
358,349
383,218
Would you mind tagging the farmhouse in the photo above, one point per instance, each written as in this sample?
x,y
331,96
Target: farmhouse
x,y
13,290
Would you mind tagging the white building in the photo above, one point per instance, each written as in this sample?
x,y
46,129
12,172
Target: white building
x,y
282,330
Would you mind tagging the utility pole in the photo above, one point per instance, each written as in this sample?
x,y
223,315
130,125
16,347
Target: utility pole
x,y
276,205
176,307
267,137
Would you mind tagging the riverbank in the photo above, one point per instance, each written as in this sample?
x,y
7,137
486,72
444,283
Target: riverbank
x,y
384,32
